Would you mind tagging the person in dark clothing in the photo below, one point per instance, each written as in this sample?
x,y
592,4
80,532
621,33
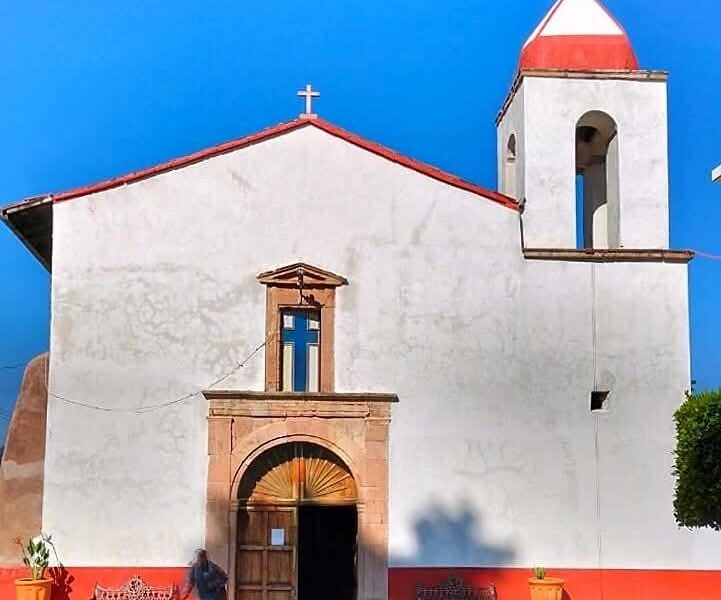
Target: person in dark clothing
x,y
206,577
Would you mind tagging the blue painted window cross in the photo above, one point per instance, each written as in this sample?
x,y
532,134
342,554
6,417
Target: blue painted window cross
x,y
300,338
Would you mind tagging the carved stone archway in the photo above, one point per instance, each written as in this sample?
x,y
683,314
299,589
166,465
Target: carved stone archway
x,y
244,425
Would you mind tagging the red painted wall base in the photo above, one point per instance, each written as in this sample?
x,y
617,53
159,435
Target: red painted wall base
x,y
77,583
581,584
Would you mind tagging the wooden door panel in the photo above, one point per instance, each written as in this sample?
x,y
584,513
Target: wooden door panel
x,y
249,567
252,524
280,567
266,553
282,520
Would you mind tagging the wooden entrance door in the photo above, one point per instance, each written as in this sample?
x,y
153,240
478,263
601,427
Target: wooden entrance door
x,y
266,556
271,492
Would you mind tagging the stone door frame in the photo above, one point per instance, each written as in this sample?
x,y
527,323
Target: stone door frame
x,y
355,427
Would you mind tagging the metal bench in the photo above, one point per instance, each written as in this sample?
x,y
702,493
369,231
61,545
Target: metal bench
x,y
454,589
136,589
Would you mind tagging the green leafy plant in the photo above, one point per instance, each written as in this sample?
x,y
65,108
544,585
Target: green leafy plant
x,y
697,501
539,572
36,555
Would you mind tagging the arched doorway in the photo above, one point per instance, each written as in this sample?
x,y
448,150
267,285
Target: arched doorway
x,y
297,526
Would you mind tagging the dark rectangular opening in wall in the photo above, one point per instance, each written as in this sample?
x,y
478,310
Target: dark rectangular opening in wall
x,y
327,546
599,401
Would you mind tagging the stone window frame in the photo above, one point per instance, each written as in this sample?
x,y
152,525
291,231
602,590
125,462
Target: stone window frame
x,y
300,285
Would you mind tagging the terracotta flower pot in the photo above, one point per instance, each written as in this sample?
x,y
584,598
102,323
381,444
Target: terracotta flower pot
x,y
27,589
549,588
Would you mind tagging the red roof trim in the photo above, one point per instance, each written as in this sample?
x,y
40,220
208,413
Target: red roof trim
x,y
554,9
547,19
277,130
414,164
176,163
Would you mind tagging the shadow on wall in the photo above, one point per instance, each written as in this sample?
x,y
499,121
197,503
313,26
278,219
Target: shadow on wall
x,y
62,583
444,537
450,543
454,538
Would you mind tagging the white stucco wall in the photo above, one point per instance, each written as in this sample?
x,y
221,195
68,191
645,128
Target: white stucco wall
x,y
492,443
512,124
613,196
550,108
518,449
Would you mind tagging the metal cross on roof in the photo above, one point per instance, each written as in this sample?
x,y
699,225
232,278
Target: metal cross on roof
x,y
309,93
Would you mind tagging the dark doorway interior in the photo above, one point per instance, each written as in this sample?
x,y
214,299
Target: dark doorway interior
x,y
327,552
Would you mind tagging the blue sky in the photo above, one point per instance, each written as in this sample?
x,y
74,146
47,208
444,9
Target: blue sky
x,y
93,89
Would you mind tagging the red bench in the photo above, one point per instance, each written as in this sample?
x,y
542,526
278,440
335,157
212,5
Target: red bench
x,y
455,589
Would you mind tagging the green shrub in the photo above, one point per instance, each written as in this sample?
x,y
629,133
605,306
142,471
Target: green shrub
x,y
697,502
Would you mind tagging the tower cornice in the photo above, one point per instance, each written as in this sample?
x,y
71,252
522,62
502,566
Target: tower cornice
x,y
639,75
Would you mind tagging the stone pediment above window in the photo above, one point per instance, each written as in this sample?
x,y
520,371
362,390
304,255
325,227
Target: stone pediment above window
x,y
301,275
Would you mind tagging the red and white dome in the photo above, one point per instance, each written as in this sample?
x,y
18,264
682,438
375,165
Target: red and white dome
x,y
579,35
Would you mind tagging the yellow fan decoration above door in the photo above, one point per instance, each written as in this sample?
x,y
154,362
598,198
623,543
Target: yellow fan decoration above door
x,y
298,473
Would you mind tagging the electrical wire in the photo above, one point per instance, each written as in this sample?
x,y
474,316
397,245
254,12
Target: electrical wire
x,y
15,366
706,255
596,448
153,407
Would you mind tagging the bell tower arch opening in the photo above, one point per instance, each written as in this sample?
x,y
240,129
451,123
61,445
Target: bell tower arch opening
x,y
510,175
597,185
297,526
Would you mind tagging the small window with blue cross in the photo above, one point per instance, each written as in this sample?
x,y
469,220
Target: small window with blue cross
x,y
300,341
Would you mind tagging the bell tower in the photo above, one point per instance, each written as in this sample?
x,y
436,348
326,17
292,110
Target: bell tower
x,y
582,136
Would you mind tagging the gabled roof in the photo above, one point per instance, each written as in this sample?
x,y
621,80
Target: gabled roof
x,y
578,35
275,131
31,219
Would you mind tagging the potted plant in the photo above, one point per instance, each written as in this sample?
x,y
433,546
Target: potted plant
x,y
36,557
545,588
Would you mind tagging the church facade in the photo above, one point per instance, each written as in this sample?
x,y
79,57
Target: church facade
x,y
339,368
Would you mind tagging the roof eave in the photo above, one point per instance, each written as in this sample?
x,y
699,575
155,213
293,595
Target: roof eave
x,y
278,130
40,247
416,165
